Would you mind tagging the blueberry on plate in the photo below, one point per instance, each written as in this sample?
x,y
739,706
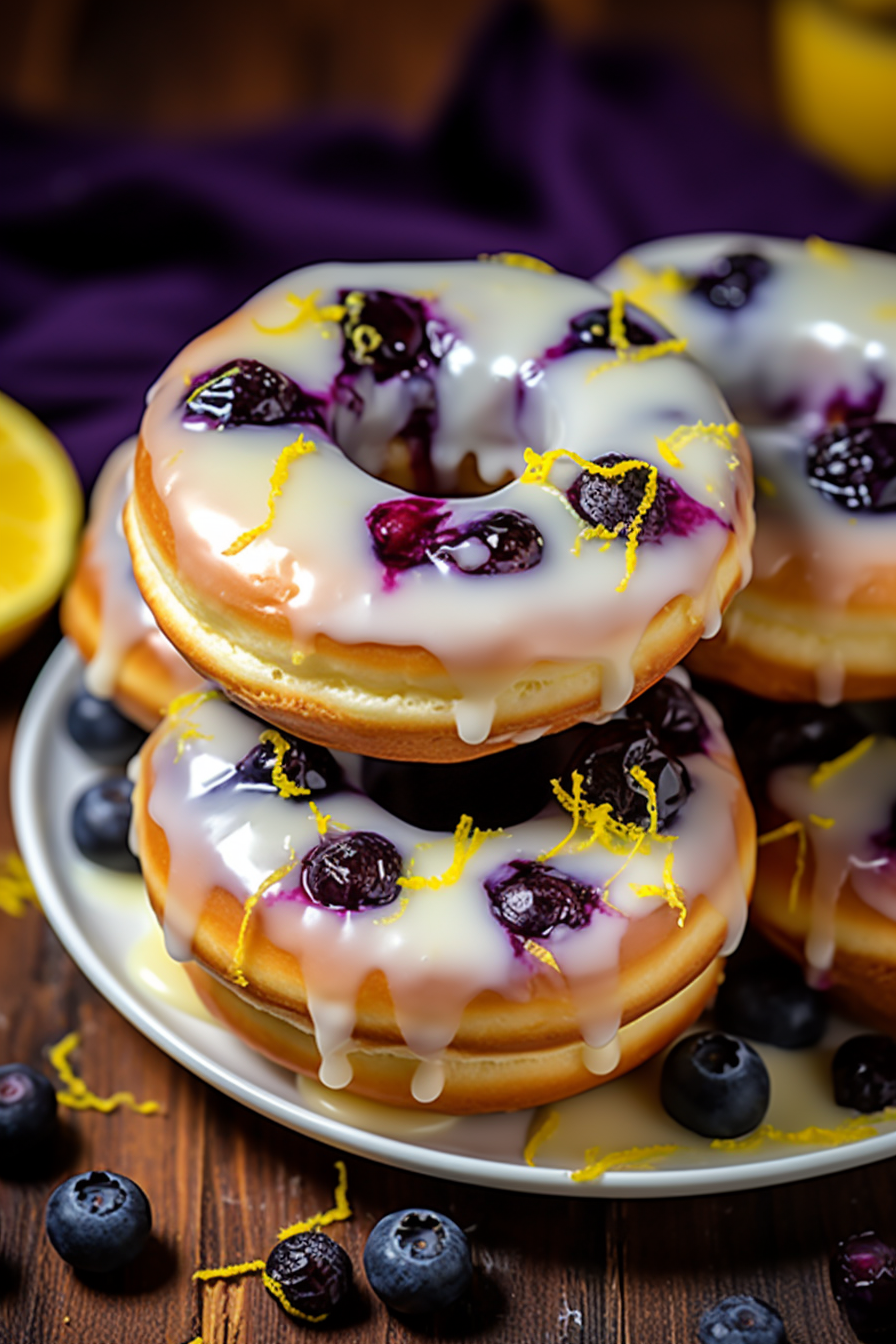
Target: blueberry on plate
x,y
741,1320
864,1070
101,822
418,1261
27,1108
715,1085
313,1272
863,1280
102,731
768,1000
98,1221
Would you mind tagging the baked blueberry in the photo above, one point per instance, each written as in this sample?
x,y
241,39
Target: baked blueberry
x,y
768,1000
102,731
864,1072
531,899
101,822
741,1320
418,1261
405,531
245,392
729,281
387,333
98,1221
504,542
673,715
304,764
313,1271
613,501
27,1108
715,1085
352,872
863,1281
591,331
606,761
854,465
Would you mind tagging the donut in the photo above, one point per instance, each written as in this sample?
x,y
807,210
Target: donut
x,y
128,658
474,936
802,340
825,790
424,511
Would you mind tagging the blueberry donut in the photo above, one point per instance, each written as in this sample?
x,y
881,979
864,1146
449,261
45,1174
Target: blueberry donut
x,y
802,340
425,510
128,658
476,936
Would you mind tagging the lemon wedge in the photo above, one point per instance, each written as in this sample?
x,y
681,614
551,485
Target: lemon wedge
x,y
40,515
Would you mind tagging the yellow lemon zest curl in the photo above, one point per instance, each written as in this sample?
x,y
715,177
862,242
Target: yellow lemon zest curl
x,y
177,719
229,1271
340,1211
722,436
285,786
276,1290
649,285
17,891
78,1096
239,952
465,846
396,914
541,954
300,448
307,310
767,487
853,1130
831,254
540,1135
781,833
619,837
640,354
828,769
670,891
519,259
617,337
595,1166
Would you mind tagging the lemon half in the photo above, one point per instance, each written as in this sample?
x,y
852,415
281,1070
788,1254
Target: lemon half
x,y
41,507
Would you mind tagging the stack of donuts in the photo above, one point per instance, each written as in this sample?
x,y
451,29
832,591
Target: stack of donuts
x,y
433,813
801,337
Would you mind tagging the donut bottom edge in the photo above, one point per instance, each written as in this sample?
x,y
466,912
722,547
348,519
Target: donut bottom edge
x,y
474,1084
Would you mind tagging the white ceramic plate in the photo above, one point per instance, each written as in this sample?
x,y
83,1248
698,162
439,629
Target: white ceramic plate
x,y
105,923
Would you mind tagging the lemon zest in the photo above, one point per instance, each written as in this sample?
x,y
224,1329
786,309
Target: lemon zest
x,y
721,435
465,846
832,254
276,1290
239,952
617,336
540,1135
338,1213
670,891
186,729
822,773
767,487
639,354
595,1167
300,448
308,310
396,914
519,259
17,891
824,822
616,836
297,658
853,1130
541,954
885,312
781,833
286,787
78,1096
648,284
321,818
229,1271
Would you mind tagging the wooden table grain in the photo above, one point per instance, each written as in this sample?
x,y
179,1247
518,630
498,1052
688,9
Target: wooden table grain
x,y
223,1181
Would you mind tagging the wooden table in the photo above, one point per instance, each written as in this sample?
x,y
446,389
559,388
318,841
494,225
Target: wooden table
x,y
223,1181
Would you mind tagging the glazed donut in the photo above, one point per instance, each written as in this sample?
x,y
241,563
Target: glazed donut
x,y
128,658
341,926
310,528
826,880
802,340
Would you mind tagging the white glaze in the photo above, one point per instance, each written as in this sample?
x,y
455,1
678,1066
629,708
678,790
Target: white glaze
x,y
315,564
444,947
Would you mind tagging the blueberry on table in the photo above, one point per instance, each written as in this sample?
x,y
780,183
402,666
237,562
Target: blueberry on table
x,y
98,1221
715,1085
101,822
102,731
863,1280
768,1000
418,1261
864,1070
27,1108
741,1320
313,1272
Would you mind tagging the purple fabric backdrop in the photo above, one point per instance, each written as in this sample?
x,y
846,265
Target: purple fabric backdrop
x,y
116,250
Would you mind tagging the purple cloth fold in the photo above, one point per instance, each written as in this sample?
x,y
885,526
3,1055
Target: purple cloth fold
x,y
114,250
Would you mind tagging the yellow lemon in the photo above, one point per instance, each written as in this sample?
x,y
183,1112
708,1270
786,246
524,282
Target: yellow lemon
x,y
40,516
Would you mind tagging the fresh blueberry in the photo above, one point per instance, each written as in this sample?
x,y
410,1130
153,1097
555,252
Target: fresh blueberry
x,y
245,392
606,761
673,715
27,1108
591,331
98,1221
354,872
387,333
100,730
304,764
715,1085
729,281
101,822
418,1261
741,1320
863,1281
768,1000
405,531
864,1070
504,542
314,1272
613,501
854,465
531,899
